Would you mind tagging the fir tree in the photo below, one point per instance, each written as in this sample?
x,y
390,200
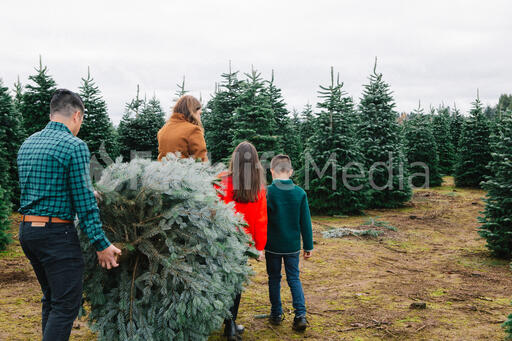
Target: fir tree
x,y
496,224
456,122
180,91
420,146
127,129
297,147
184,253
218,117
11,136
254,118
445,149
284,130
307,128
504,103
508,327
474,153
332,148
381,145
139,127
296,122
5,211
18,94
97,129
5,180
35,105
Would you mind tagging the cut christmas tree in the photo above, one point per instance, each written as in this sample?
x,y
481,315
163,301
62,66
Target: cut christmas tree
x,y
184,253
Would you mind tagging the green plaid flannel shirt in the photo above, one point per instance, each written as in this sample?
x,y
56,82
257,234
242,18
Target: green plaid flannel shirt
x,y
55,181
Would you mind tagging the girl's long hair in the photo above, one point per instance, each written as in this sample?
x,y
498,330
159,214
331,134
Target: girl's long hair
x,y
188,106
247,173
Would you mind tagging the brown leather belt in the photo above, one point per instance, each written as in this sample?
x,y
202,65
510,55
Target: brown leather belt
x,y
42,219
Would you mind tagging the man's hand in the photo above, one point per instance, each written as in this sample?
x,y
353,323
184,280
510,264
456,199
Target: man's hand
x,y
97,195
261,257
307,254
108,257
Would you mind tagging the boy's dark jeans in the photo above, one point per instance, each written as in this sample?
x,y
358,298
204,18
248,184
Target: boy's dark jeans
x,y
55,254
291,267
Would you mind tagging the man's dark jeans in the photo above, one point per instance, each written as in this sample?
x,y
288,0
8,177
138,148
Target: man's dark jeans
x,y
291,267
55,254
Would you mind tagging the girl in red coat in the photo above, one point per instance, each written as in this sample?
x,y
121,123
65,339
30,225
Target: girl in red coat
x,y
244,184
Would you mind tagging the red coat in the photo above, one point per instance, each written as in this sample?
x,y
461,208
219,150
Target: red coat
x,y
255,213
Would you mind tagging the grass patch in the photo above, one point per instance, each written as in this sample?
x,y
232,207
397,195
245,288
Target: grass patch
x,y
439,292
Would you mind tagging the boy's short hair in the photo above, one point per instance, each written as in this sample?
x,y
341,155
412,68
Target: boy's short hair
x,y
281,163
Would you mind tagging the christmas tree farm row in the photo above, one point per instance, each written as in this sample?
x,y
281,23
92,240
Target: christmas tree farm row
x,y
348,156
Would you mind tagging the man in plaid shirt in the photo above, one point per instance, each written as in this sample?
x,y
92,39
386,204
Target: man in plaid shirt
x,y
55,184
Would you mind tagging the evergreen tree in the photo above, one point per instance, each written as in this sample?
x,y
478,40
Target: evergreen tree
x,y
254,118
11,136
496,224
381,145
97,128
333,149
287,138
504,103
474,153
508,327
184,253
127,130
491,112
420,146
139,127
180,91
298,146
456,122
307,128
296,123
293,149
5,211
5,180
443,138
218,117
18,94
35,105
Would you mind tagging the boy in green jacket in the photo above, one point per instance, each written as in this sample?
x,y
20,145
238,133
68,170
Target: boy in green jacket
x,y
288,220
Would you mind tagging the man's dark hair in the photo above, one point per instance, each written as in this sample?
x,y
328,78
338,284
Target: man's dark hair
x,y
281,163
66,103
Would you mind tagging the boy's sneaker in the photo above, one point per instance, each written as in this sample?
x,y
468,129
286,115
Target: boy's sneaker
x,y
276,319
300,323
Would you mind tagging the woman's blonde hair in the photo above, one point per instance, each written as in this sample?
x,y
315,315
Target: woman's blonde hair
x,y
188,106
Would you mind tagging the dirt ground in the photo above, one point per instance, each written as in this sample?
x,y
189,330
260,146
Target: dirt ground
x,y
356,288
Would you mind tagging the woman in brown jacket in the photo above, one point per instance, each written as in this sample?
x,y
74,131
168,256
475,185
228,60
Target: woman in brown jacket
x,y
183,132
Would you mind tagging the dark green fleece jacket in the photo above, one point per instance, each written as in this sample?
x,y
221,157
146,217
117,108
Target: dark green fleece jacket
x,y
288,218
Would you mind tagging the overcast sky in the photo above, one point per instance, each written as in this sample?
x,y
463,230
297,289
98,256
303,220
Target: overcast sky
x,y
433,51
